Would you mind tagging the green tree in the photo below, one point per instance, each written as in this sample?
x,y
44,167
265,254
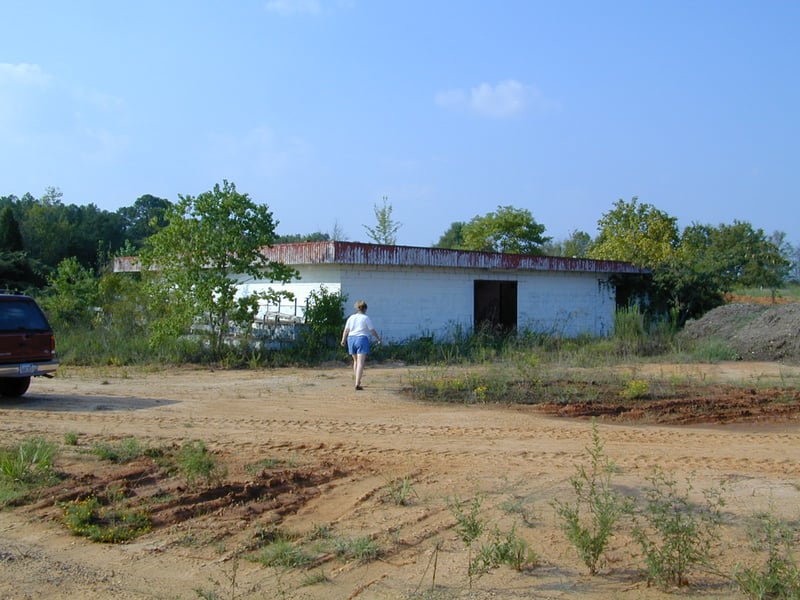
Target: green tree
x,y
385,230
18,272
452,238
72,294
10,236
193,263
508,229
145,217
636,233
575,246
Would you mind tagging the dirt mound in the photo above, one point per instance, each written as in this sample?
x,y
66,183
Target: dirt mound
x,y
754,331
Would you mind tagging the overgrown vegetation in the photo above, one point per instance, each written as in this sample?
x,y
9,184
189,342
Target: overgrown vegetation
x,y
108,521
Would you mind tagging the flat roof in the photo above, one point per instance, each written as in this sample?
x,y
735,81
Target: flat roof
x,y
358,253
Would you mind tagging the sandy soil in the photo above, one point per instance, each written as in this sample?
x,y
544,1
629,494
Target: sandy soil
x,y
335,451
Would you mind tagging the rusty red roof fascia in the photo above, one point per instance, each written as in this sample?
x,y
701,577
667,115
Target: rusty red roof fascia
x,y
358,253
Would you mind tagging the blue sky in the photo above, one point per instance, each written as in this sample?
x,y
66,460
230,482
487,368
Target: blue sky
x,y
319,108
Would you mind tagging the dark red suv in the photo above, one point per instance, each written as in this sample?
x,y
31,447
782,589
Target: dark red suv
x,y
27,344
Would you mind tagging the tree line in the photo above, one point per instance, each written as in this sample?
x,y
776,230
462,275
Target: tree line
x,y
62,253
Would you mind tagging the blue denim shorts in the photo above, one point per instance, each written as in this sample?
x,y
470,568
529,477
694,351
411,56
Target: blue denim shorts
x,y
357,344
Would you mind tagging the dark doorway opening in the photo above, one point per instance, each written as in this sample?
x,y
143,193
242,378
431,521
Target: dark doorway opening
x,y
496,305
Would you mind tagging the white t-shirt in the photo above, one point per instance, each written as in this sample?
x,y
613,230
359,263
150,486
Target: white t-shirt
x,y
358,324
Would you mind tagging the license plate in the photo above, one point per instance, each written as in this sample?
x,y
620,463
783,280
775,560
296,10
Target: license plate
x,y
27,369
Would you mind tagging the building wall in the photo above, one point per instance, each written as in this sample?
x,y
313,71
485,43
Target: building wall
x,y
409,302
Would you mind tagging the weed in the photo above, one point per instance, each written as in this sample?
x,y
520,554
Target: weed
x,y
70,438
104,523
314,578
469,526
779,576
589,521
678,535
197,465
503,549
401,490
320,532
635,389
520,506
265,464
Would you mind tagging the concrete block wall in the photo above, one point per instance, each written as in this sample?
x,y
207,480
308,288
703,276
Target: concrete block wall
x,y
406,303
567,304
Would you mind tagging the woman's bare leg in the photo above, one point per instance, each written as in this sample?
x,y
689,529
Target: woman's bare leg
x,y
359,367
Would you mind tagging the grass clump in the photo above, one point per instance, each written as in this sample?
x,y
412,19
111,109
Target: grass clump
x,y
29,462
197,465
25,467
283,552
589,521
124,451
362,549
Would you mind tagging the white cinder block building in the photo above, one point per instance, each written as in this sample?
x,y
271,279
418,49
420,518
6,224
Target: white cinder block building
x,y
414,292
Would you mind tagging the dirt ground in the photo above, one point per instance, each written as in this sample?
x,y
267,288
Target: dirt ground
x,y
328,455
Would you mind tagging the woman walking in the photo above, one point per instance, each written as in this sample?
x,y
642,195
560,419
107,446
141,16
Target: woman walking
x,y
355,338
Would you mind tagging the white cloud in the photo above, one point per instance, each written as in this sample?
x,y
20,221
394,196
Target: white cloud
x,y
506,99
294,7
22,74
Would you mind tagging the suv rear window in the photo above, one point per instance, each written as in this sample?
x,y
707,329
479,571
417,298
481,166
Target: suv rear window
x,y
21,315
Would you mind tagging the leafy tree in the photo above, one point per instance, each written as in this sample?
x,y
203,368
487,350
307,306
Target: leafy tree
x,y
194,261
575,246
44,226
324,318
53,231
636,233
10,236
453,237
145,217
735,255
93,234
385,231
18,272
508,230
72,295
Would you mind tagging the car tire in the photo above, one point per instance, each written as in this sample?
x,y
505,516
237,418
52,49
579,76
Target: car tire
x,y
13,387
